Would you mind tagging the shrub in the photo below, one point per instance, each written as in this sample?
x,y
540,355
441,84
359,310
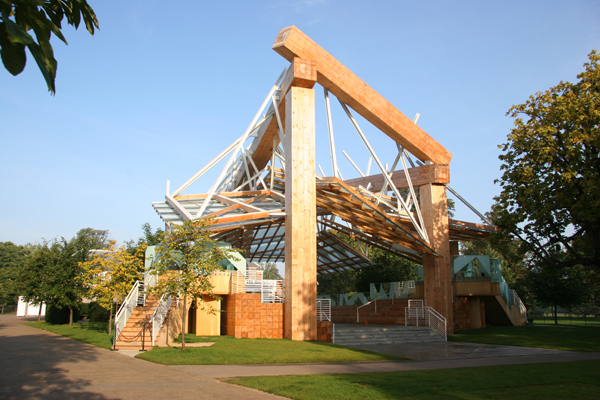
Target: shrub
x,y
60,316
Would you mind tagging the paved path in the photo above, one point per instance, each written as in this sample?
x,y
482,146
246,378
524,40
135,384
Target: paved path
x,y
38,364
435,356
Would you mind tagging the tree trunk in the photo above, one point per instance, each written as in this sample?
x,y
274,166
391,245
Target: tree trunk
x,y
70,316
183,323
555,315
110,319
40,313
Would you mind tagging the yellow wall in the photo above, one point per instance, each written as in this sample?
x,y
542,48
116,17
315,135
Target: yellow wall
x,y
208,319
220,284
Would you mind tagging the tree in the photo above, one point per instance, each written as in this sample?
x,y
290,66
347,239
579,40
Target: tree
x,y
270,271
35,277
337,282
186,259
43,17
388,268
12,259
53,274
551,173
556,286
111,274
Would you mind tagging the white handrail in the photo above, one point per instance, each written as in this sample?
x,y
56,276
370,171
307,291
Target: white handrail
x,y
122,316
517,300
324,310
162,309
358,308
428,316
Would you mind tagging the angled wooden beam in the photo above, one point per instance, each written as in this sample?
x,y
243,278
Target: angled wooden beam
x,y
428,173
241,204
179,209
346,86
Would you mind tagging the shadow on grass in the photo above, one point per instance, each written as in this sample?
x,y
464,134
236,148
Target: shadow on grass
x,y
574,338
30,366
228,350
572,380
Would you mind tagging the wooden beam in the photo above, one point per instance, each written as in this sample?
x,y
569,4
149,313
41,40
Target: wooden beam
x,y
346,86
301,73
300,308
437,272
241,204
429,173
222,194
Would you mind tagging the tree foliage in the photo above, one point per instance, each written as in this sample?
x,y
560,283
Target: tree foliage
x,y
270,271
53,275
566,287
111,274
550,195
12,259
387,268
186,260
19,19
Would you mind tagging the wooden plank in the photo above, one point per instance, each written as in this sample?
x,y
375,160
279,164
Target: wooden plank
x,y
222,194
300,308
243,205
437,272
419,176
346,86
243,217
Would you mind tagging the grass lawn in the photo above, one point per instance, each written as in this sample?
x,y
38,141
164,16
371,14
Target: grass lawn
x,y
566,320
92,332
546,337
568,380
228,350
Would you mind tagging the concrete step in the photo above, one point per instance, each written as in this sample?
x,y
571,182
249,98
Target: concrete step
x,y
348,335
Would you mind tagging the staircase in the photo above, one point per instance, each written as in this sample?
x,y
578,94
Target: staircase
x,y
131,336
359,335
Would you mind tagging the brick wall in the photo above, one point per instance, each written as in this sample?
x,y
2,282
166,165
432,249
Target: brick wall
x,y
246,317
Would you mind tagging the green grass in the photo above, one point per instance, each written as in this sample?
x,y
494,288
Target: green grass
x,y
545,337
565,320
228,350
568,380
92,332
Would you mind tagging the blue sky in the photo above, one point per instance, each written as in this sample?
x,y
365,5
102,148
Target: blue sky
x,y
159,91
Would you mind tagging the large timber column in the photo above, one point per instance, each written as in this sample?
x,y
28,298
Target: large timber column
x,y
437,273
300,311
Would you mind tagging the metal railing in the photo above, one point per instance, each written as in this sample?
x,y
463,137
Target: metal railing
x,y
271,291
162,309
426,316
358,308
129,304
323,309
251,281
519,303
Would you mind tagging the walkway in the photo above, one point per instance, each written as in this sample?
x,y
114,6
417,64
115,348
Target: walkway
x,y
439,355
39,364
42,365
